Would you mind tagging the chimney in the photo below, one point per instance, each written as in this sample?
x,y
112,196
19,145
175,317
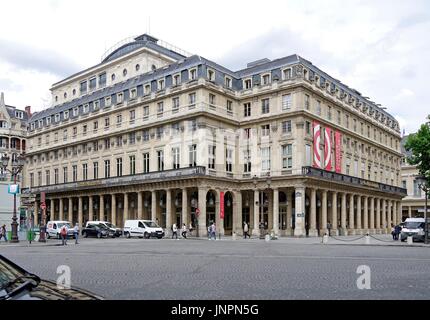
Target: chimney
x,y
28,111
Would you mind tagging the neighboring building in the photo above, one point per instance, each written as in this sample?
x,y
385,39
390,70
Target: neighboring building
x,y
13,132
157,133
413,203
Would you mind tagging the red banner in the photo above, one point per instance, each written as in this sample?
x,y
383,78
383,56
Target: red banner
x,y
221,205
317,139
338,150
327,149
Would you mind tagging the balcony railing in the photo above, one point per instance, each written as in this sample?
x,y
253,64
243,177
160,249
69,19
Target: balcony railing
x,y
338,177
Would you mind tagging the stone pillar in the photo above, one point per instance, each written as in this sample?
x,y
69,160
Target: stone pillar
x,y
61,209
101,207
410,212
276,210
169,222
394,212
257,204
113,208
185,206
36,213
384,216
389,221
343,215
139,205
237,213
90,208
51,204
366,215
125,215
154,206
80,212
378,215
70,210
202,216
323,212
372,215
313,216
334,213
358,227
300,197
399,212
289,213
351,227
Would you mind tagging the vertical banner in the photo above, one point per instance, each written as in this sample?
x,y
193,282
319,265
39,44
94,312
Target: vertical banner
x,y
338,150
327,149
221,205
317,140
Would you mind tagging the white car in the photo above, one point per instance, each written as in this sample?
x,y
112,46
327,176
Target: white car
x,y
53,229
142,229
108,225
414,227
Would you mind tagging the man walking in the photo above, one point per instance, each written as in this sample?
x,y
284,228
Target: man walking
x,y
184,230
328,227
3,232
63,234
175,231
76,232
213,231
246,230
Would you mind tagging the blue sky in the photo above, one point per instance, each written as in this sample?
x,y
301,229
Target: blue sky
x,y
380,48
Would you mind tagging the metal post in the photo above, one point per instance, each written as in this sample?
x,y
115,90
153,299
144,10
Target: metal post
x,y
14,237
425,217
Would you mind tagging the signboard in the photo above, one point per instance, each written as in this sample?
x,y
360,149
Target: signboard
x,y
43,206
197,212
317,140
42,197
221,205
327,149
338,151
13,189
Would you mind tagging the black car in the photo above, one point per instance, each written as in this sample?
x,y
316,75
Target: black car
x,y
18,284
97,230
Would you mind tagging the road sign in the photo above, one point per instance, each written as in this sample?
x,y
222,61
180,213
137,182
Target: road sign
x,y
43,206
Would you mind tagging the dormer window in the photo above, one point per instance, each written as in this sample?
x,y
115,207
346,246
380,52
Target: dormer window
x,y
19,114
75,112
228,82
56,98
108,101
48,121
286,74
265,79
86,108
93,83
96,105
133,93
211,75
65,95
57,117
161,84
66,114
177,79
193,74
247,84
40,124
147,89
119,98
32,126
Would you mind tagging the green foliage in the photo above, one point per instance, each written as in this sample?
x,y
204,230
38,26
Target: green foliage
x,y
419,145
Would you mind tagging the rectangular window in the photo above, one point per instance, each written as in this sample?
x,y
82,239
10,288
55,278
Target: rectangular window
x,y
119,98
265,159
95,170
347,121
176,158
228,82
32,179
247,84
160,160
247,109
307,101
102,80
108,102
132,138
83,87
132,165
329,113
145,112
160,108
211,75
107,122
212,100
84,129
229,160
193,74
265,79
211,157
93,83
287,156
318,108
147,89
119,141
286,102
75,173
339,117
247,161
192,99
65,175
265,130
161,84
145,135
229,107
308,127
95,126
56,181
308,159
39,178
118,119
48,177
133,93
107,168
159,132
286,126
119,167
265,106
107,143
177,79
132,116
85,171
146,162
192,155
247,133
175,104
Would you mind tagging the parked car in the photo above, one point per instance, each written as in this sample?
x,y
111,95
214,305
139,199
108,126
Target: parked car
x,y
142,229
19,284
53,229
414,227
117,231
96,230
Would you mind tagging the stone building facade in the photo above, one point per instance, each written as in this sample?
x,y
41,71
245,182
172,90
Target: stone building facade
x,y
153,132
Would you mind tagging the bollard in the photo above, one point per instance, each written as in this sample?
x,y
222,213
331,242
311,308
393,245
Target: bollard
x,y
325,238
410,240
267,238
367,239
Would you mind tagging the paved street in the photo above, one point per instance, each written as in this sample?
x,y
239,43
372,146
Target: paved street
x,y
226,269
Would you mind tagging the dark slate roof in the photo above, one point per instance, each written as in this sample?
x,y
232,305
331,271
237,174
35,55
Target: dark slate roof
x,y
267,66
11,111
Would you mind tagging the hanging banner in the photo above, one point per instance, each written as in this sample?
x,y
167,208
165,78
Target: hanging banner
x,y
221,205
338,151
327,149
317,140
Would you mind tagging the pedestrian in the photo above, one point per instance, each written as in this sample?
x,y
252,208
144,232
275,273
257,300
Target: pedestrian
x,y
63,234
397,231
213,231
328,227
210,231
184,231
76,233
246,230
3,232
393,233
191,228
175,231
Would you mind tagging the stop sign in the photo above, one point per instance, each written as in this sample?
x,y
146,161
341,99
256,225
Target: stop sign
x,y
43,206
197,211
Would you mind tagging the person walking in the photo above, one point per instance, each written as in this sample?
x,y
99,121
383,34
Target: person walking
x,y
191,228
397,231
210,231
246,230
175,231
63,234
393,233
213,231
76,233
328,227
3,232
184,231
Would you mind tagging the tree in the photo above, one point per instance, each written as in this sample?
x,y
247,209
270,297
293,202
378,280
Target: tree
x,y
419,146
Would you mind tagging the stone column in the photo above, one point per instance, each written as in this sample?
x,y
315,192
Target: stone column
x,y
378,215
351,227
36,213
372,215
90,208
343,215
410,212
358,227
389,221
202,216
101,207
51,204
313,216
300,197
113,208
139,205
80,212
323,212
169,222
334,213
70,210
276,210
185,206
257,204
394,212
399,212
289,213
61,209
125,215
384,216
154,206
366,215
237,213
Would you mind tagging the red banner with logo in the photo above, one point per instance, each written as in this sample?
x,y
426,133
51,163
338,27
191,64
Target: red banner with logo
x,y
221,205
327,149
338,151
317,140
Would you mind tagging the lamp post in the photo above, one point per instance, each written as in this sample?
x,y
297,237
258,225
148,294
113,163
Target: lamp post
x,y
17,165
260,205
423,185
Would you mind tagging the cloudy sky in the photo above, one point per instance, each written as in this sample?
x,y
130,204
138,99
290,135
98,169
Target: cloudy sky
x,y
381,48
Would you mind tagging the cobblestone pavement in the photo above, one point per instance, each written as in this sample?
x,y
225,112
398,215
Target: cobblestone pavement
x,y
242,269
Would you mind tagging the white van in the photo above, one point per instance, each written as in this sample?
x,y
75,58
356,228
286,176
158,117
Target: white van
x,y
53,229
108,225
142,229
414,227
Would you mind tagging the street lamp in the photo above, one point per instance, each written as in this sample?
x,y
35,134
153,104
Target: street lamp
x,y
260,205
17,165
423,185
